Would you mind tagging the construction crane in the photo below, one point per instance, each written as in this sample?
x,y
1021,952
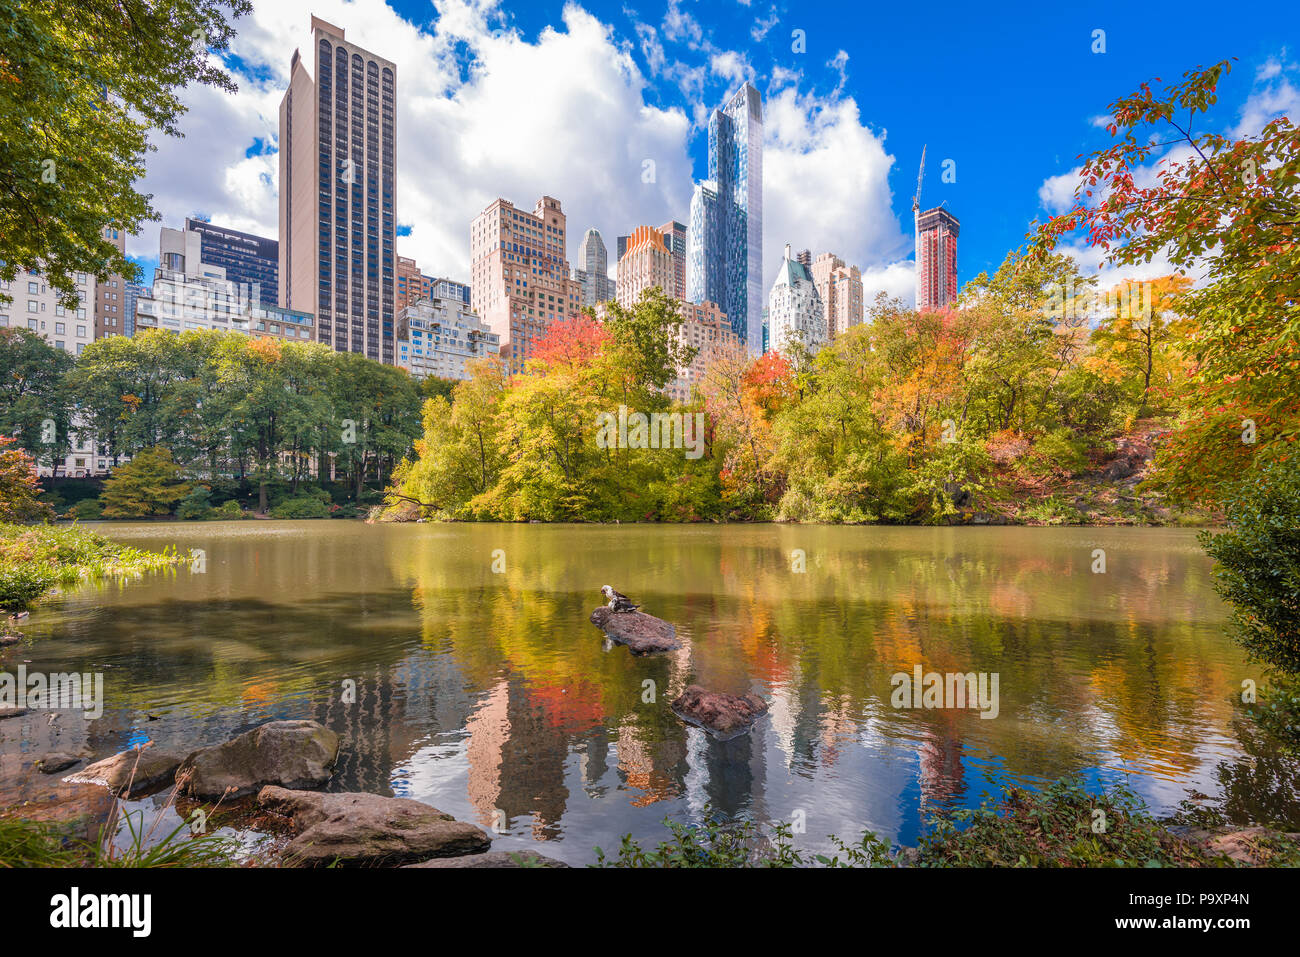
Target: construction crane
x,y
916,200
916,226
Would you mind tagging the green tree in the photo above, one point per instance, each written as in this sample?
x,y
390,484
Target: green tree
x,y
1258,570
147,486
34,403
82,86
377,415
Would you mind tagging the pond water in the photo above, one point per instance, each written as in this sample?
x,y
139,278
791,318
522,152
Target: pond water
x,y
483,689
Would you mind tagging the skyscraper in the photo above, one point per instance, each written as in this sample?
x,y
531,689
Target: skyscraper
x,y
724,258
338,193
936,259
840,288
646,264
674,234
519,274
591,269
250,260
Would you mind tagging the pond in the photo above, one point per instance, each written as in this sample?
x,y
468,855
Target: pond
x,y
483,689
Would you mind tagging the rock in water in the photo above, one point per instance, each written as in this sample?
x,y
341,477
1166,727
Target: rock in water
x,y
722,715
360,830
643,634
57,761
292,754
153,771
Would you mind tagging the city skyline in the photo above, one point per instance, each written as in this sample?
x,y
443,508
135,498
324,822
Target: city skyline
x,y
831,129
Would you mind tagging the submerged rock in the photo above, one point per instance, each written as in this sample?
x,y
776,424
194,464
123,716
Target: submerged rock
x,y
8,712
143,770
361,830
76,809
57,761
494,859
293,754
723,715
643,634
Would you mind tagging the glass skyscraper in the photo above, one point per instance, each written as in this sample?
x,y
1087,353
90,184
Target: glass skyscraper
x,y
724,244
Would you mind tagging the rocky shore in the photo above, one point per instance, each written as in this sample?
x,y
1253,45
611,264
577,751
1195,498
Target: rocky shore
x,y
272,775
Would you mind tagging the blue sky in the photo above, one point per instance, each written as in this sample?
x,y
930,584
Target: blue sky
x,y
1009,94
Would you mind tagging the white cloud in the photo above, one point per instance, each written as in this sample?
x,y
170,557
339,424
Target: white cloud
x,y
896,280
826,186
1057,192
732,66
762,27
681,27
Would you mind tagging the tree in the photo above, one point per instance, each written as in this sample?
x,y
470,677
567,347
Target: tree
x,y
147,486
378,415
1229,209
33,398
1258,570
82,86
1137,346
19,486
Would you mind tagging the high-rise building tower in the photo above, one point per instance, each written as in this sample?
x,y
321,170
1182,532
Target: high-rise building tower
x,y
674,234
591,269
338,193
249,260
936,259
519,274
724,258
110,295
646,264
840,288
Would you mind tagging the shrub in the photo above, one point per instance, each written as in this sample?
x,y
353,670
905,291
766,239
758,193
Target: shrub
x,y
197,505
301,506
1057,827
21,585
1258,564
87,510
229,509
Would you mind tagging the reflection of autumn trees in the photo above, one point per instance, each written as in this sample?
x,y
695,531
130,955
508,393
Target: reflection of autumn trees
x,y
1116,667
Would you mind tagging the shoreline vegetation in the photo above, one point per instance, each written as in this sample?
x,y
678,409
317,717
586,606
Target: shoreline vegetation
x,y
37,559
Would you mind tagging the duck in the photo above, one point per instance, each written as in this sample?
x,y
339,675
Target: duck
x,y
617,600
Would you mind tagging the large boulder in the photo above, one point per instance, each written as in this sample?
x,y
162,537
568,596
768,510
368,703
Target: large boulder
x,y
643,634
723,715
359,830
494,859
292,754
141,770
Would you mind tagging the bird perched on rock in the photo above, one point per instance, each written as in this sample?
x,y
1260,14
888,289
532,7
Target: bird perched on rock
x,y
617,600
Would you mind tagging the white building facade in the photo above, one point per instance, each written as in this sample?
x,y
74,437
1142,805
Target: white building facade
x,y
794,308
440,335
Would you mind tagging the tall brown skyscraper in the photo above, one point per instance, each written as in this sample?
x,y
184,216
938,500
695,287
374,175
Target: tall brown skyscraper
x,y
338,193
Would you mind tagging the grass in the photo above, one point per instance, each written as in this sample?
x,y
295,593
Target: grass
x,y
37,558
